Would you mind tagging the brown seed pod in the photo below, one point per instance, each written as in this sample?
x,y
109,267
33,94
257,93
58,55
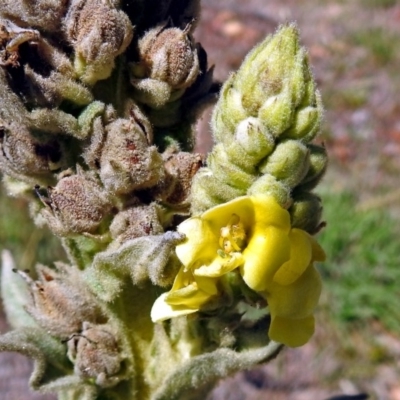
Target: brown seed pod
x,y
77,204
127,161
60,301
99,32
96,354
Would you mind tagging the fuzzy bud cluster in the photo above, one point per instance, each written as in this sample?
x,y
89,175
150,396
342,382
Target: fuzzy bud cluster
x,y
265,119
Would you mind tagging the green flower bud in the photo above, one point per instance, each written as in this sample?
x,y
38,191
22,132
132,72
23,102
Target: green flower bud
x,y
306,122
228,112
272,67
88,115
288,163
318,163
52,90
55,121
254,138
276,113
225,171
269,185
306,212
207,191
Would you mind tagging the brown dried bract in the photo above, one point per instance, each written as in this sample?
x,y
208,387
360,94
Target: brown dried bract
x,y
11,37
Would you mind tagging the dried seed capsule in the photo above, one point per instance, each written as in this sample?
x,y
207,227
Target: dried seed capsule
x,y
77,204
96,354
42,14
180,169
99,32
127,161
168,64
60,301
22,157
136,222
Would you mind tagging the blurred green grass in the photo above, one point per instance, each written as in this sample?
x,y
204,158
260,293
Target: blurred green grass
x,y
27,243
362,271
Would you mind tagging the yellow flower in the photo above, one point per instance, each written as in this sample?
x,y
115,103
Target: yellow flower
x,y
255,235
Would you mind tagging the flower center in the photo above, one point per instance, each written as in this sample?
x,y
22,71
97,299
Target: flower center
x,y
232,237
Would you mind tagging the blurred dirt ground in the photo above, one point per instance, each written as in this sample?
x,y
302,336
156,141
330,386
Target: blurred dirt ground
x,y
354,50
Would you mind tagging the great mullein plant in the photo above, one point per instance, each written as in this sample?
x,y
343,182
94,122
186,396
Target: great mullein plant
x,y
182,270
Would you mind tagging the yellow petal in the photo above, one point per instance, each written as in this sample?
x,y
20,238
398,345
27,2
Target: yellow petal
x,y
269,213
201,244
220,266
291,332
207,285
219,216
297,300
267,250
189,296
300,258
162,311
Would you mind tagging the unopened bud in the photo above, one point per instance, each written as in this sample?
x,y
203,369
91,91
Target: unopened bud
x,y
225,171
270,186
255,138
288,163
207,191
306,212
306,122
318,163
